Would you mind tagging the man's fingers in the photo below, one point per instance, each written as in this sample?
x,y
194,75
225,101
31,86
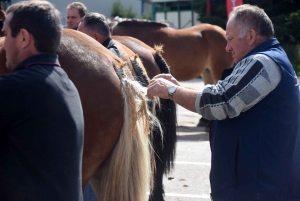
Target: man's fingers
x,y
165,76
150,92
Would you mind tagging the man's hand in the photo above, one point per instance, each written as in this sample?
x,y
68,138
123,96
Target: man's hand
x,y
168,77
159,86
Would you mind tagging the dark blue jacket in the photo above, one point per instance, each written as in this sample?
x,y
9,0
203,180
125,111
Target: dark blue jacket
x,y
41,133
110,45
256,156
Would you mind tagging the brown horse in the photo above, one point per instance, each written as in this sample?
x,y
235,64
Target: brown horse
x,y
155,64
188,51
116,145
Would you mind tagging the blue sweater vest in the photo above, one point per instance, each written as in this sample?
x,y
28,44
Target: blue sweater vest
x,y
256,156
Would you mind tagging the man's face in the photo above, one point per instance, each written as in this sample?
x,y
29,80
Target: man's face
x,y
73,18
238,47
11,45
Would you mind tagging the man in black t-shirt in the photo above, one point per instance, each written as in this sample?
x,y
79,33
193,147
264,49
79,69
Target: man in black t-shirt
x,y
41,118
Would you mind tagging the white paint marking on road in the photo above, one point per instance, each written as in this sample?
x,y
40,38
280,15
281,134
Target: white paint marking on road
x,y
203,196
192,163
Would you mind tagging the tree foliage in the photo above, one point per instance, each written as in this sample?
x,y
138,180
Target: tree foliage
x,y
285,15
119,10
218,12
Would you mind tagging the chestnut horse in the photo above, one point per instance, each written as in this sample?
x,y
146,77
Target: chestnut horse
x,y
188,52
116,145
154,65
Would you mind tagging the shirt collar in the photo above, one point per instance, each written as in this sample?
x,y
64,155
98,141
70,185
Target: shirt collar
x,y
39,59
107,42
265,45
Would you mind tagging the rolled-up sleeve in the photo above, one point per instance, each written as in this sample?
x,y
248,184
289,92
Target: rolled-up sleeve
x,y
252,79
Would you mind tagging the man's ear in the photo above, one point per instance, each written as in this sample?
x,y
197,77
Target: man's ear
x,y
251,36
98,37
25,38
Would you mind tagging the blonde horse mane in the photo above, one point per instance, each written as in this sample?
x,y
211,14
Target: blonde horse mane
x,y
127,174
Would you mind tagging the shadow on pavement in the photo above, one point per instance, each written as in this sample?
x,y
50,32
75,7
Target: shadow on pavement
x,y
185,133
192,129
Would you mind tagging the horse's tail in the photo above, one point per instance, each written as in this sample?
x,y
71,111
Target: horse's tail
x,y
126,173
167,116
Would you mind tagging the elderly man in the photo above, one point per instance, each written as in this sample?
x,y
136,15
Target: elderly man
x,y
75,11
41,118
95,25
255,133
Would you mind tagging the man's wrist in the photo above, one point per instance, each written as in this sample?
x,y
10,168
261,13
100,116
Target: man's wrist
x,y
171,91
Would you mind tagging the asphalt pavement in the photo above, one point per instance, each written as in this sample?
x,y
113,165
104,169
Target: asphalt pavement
x,y
189,180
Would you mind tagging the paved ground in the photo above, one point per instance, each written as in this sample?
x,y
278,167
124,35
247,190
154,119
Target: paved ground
x,y
189,180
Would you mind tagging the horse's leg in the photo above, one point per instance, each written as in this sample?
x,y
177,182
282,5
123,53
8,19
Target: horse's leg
x,y
207,78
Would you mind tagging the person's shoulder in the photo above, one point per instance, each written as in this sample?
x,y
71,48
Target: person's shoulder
x,y
261,57
264,59
8,84
8,78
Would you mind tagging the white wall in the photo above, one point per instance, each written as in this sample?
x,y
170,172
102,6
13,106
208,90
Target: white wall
x,y
100,6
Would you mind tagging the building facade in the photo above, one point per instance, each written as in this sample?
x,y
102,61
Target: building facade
x,y
101,6
178,13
